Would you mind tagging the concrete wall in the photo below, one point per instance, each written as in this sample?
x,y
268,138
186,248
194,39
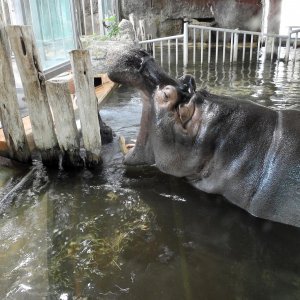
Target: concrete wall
x,y
165,17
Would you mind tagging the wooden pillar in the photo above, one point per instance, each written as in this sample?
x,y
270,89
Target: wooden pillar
x,y
87,104
27,58
65,124
9,108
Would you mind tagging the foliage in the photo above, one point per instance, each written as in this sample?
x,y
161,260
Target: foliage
x,y
112,26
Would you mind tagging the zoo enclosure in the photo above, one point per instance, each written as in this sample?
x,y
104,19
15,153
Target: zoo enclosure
x,y
273,46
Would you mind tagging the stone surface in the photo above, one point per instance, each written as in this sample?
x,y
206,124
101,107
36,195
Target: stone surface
x,y
165,17
126,32
102,50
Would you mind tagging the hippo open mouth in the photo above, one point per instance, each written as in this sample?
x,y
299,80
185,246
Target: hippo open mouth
x,y
138,69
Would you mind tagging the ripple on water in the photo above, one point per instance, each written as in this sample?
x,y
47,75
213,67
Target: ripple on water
x,y
134,233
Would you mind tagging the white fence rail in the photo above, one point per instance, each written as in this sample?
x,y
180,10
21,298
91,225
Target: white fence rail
x,y
151,44
228,44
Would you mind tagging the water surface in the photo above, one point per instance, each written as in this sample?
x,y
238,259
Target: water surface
x,y
135,233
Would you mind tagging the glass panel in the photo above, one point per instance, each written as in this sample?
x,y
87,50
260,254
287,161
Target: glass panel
x,y
108,8
53,29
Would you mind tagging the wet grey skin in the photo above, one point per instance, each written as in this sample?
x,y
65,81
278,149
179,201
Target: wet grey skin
x,y
248,153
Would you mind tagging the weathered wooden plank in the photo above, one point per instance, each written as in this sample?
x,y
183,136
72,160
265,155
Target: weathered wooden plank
x,y
28,61
64,119
87,104
9,109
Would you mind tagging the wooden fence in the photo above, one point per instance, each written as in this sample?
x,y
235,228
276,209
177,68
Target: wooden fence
x,y
50,106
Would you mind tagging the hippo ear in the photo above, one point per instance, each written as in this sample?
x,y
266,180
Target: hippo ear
x,y
188,83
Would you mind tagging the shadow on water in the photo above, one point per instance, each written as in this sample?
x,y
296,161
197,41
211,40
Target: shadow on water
x,y
135,233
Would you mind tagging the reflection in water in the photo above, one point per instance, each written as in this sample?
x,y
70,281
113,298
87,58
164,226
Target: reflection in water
x,y
134,233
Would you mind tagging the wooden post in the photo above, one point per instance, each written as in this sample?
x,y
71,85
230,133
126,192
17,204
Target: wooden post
x,y
65,124
9,108
87,104
27,58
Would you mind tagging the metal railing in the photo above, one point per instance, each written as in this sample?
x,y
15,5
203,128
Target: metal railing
x,y
150,45
232,43
293,33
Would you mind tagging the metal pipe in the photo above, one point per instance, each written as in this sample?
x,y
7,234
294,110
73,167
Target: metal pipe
x,y
272,49
4,12
224,45
100,17
173,37
84,19
244,47
176,51
295,46
279,48
234,30
92,16
169,51
194,46
202,32
217,46
251,47
209,45
161,52
185,44
287,46
231,46
258,48
235,46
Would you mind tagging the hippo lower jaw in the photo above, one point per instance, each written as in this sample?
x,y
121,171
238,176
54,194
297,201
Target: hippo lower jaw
x,y
142,152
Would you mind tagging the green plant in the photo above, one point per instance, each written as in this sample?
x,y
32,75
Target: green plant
x,y
111,24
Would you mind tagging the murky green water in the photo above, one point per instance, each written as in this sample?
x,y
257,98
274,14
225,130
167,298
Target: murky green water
x,y
135,233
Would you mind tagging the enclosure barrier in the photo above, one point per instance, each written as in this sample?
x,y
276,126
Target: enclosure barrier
x,y
292,33
150,45
50,105
266,46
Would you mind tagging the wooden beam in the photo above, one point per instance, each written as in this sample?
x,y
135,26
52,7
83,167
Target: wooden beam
x,y
33,80
64,119
10,117
87,104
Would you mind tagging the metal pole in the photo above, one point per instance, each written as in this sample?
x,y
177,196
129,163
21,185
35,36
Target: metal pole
x,y
100,17
92,16
295,45
194,43
185,43
287,47
4,12
84,19
235,47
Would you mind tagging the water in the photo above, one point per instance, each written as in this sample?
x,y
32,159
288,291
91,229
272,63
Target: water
x,y
135,233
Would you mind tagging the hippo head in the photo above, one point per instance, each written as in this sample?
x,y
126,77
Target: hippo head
x,y
170,115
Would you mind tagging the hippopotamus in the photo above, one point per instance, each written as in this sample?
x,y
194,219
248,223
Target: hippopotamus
x,y
246,152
